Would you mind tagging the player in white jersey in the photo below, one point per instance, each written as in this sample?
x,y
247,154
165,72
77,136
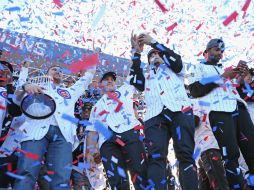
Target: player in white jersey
x,y
54,135
8,116
228,116
120,146
168,114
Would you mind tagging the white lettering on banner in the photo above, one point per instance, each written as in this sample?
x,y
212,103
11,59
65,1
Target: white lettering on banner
x,y
22,43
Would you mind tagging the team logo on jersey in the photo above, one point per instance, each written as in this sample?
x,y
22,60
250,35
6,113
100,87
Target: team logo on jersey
x,y
115,94
64,93
4,94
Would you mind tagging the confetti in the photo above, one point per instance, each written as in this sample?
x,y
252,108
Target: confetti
x,y
13,9
99,15
230,18
172,27
102,129
161,6
20,177
246,5
178,132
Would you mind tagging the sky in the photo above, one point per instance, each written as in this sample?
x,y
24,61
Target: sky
x,y
108,24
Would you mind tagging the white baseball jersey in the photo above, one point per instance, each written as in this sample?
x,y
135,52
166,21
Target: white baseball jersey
x,y
105,111
163,87
3,94
219,99
65,99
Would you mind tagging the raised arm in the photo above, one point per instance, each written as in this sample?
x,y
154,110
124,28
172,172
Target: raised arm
x,y
81,85
171,59
138,79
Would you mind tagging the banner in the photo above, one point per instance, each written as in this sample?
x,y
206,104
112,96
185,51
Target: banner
x,y
43,53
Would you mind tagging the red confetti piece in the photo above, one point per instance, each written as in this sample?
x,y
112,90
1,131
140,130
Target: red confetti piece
x,y
103,112
138,127
85,62
213,184
171,27
50,172
246,5
58,3
29,154
118,107
120,142
204,118
161,6
216,158
214,9
206,138
228,69
234,92
199,26
9,167
230,18
134,178
184,110
4,137
2,108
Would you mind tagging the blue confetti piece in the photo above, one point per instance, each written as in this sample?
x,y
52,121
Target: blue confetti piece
x,y
13,9
163,181
210,79
85,122
83,165
160,47
70,118
63,185
121,172
110,173
46,177
196,153
214,128
58,13
104,159
178,132
236,186
102,129
99,16
156,155
55,137
203,103
39,18
24,19
20,177
11,96
167,117
142,65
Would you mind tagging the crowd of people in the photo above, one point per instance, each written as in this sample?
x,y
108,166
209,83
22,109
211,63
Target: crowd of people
x,y
95,139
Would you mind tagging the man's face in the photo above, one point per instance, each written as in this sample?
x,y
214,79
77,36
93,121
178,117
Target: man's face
x,y
109,83
155,59
215,54
85,114
5,76
56,73
248,78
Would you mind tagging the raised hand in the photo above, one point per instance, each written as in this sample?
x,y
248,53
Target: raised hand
x,y
145,39
135,43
